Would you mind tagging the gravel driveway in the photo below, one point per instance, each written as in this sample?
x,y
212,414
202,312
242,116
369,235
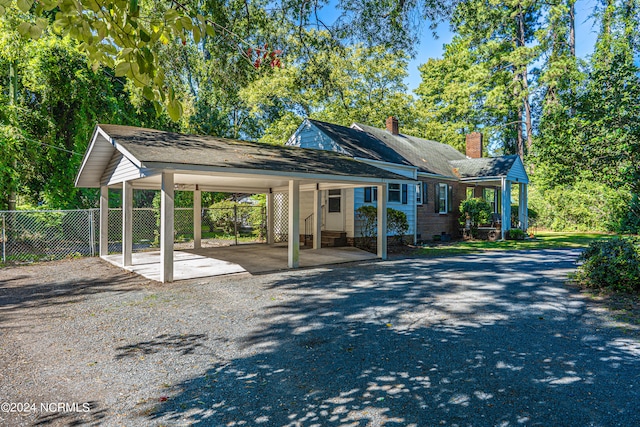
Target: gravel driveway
x,y
494,339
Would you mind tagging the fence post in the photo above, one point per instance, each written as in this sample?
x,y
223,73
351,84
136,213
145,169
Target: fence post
x,y
235,222
4,241
91,234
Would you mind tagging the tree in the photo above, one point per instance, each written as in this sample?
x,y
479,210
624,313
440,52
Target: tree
x,y
341,85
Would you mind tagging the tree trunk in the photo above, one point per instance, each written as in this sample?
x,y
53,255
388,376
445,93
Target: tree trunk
x,y
572,27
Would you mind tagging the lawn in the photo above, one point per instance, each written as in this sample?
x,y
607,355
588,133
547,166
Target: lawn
x,y
542,240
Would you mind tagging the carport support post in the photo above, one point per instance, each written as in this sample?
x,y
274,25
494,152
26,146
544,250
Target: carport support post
x,y
166,228
294,224
270,213
506,207
104,220
317,219
127,223
382,221
197,218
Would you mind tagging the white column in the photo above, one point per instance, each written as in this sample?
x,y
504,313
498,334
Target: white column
x,y
382,221
523,213
166,227
270,222
294,224
127,223
197,218
506,207
317,219
104,220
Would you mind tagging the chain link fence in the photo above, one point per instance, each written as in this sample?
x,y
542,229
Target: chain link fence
x,y
28,236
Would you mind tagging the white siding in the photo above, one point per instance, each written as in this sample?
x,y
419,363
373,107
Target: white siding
x,y
517,172
349,221
120,169
306,207
309,136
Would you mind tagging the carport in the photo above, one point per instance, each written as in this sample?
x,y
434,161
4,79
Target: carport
x,y
130,158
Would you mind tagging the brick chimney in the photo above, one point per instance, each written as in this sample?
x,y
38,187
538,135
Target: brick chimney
x,y
474,145
392,125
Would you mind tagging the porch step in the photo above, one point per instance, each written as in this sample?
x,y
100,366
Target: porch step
x,y
329,239
333,239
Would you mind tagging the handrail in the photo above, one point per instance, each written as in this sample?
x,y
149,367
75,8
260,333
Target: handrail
x,y
308,226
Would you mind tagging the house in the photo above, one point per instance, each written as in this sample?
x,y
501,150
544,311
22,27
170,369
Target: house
x,y
444,178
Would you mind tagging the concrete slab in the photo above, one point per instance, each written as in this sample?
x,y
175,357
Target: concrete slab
x,y
251,258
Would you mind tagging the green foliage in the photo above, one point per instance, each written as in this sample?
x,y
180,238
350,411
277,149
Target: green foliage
x,y
612,265
477,211
516,234
585,206
397,224
230,216
367,215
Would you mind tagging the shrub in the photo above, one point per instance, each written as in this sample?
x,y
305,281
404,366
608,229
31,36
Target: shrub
x,y
584,206
477,211
228,216
368,217
612,264
397,224
516,234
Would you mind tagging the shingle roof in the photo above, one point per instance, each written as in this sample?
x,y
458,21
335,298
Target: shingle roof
x,y
360,144
427,156
154,146
484,167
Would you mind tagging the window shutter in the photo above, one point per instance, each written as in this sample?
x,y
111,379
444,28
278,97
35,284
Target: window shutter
x,y
437,197
367,194
404,194
450,199
425,193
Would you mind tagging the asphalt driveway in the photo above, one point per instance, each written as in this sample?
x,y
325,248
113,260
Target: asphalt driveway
x,y
495,339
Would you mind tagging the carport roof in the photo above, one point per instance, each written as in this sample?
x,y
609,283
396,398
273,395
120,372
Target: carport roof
x,y
153,150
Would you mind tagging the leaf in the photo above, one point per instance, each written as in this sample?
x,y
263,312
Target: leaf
x,y
147,92
122,69
174,108
24,5
144,36
197,35
23,29
2,10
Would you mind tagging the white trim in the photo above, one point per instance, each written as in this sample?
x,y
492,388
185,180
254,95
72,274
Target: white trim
x,y
390,164
178,168
87,154
120,148
437,176
294,225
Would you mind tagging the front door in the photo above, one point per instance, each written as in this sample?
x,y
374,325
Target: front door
x,y
335,210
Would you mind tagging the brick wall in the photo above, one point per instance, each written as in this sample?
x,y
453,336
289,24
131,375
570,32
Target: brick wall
x,y
431,223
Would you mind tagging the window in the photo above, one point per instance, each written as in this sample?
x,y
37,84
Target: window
x,y
395,193
443,198
370,194
470,193
422,193
334,200
419,194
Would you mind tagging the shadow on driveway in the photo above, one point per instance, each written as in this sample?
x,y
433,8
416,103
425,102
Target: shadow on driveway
x,y
490,339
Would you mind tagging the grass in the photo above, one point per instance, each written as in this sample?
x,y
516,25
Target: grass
x,y
542,240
